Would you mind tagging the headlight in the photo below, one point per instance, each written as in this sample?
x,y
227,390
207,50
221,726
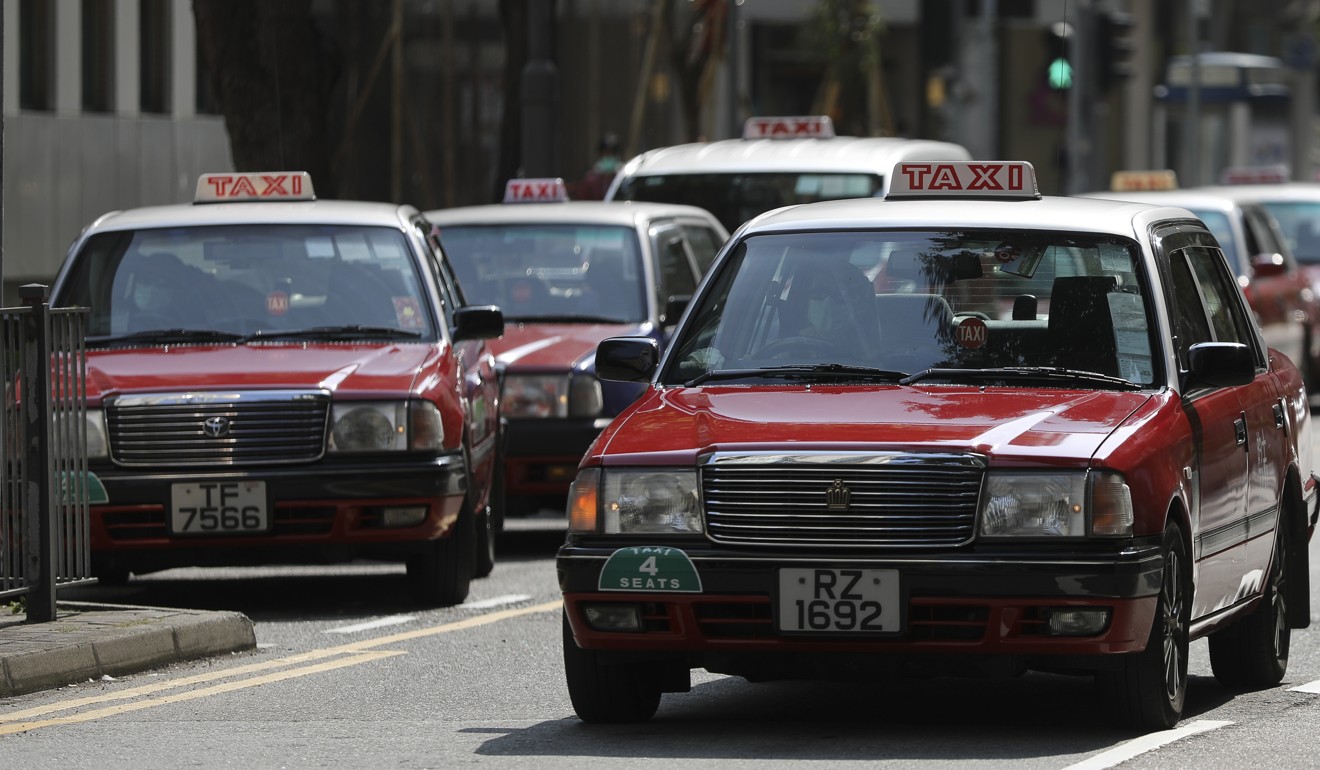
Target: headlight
x,y
369,426
542,396
94,419
635,501
1056,505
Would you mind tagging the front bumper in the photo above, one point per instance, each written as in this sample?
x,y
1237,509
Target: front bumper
x,y
986,603
330,511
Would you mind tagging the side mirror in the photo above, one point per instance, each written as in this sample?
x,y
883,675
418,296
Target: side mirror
x,y
674,308
627,359
478,322
1221,364
1268,265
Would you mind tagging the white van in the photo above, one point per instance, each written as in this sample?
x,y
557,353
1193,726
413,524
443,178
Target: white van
x,y
778,161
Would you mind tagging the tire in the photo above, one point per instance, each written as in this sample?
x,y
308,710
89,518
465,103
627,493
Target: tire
x,y
1149,688
1253,652
442,576
604,693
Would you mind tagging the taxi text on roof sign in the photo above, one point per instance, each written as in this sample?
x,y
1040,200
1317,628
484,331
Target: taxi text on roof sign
x,y
535,191
1132,181
255,186
806,126
1013,179
1275,174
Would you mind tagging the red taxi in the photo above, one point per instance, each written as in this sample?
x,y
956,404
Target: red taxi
x,y
973,466
568,274
276,379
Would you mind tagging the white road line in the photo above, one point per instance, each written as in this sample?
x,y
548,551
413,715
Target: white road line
x,y
392,620
498,601
1125,751
1308,687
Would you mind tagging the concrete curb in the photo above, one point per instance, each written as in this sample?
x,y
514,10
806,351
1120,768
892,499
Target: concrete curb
x,y
88,641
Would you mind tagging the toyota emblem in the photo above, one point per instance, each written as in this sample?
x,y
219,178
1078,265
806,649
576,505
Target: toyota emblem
x,y
216,427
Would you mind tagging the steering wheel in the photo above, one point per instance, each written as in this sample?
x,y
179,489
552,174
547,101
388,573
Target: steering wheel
x,y
809,348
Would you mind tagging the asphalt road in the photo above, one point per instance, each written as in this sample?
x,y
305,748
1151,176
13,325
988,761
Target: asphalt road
x,y
348,673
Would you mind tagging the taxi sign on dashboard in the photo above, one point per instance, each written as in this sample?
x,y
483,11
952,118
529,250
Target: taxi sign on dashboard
x,y
254,186
801,127
1014,179
535,191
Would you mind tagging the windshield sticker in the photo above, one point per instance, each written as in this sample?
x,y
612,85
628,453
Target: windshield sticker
x,y
408,313
1114,258
651,569
1130,338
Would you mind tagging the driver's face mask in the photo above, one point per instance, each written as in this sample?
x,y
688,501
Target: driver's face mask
x,y
820,312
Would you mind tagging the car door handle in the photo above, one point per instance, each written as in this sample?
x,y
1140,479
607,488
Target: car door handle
x,y
1280,416
1240,430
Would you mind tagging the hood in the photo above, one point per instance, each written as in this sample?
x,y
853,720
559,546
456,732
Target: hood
x,y
385,369
555,347
1051,425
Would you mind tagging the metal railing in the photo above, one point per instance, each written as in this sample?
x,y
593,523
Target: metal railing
x,y
44,479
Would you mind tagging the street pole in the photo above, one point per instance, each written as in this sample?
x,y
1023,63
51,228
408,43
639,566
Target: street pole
x,y
540,97
1195,11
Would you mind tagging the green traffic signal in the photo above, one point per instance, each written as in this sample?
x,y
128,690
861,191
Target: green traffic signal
x,y
1060,74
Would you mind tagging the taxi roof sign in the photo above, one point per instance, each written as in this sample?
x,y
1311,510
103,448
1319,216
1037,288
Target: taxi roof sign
x,y
1006,179
1275,174
254,186
800,127
535,191
1134,181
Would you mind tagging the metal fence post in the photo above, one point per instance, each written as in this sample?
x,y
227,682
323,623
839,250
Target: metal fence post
x,y
35,397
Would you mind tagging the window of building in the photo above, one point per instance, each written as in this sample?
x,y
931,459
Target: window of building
x,y
154,57
98,56
36,52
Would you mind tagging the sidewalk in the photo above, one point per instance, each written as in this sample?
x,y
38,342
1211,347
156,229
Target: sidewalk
x,y
88,641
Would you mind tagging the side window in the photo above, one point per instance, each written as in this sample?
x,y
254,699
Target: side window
x,y
705,244
450,295
1189,312
1220,298
676,271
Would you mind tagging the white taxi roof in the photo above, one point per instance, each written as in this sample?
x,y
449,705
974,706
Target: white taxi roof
x,y
257,213
1199,198
1073,214
629,214
840,154
1284,191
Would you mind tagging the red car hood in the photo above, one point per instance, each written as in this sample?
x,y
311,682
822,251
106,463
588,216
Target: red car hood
x,y
676,425
391,369
557,347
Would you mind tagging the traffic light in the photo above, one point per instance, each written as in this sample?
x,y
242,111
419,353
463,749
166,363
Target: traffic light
x,y
1113,46
1059,70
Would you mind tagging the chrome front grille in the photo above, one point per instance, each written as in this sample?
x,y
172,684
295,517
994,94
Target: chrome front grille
x,y
234,428
842,500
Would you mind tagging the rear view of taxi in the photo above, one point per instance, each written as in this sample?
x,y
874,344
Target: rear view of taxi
x,y
778,161
568,274
964,426
275,379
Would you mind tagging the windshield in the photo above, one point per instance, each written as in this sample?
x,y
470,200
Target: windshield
x,y
1300,222
248,280
890,304
735,198
588,273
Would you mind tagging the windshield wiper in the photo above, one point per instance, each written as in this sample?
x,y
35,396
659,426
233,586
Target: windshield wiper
x,y
169,335
349,331
801,372
1021,373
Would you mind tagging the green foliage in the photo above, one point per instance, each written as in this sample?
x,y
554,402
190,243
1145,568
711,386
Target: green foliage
x,y
18,606
845,35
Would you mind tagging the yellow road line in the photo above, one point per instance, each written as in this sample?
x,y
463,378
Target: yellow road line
x,y
358,652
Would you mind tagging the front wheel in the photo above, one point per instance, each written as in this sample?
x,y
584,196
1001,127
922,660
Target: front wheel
x,y
1253,652
613,692
442,575
1148,689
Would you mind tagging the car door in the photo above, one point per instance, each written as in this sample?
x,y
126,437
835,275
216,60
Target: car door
x,y
676,270
1274,291
704,241
1238,452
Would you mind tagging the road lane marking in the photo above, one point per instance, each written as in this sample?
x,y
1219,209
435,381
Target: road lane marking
x,y
498,601
391,620
1125,751
353,652
1308,687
